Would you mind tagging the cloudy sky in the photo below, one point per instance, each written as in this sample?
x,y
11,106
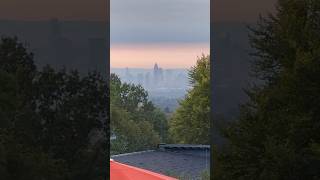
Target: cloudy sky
x,y
170,32
160,21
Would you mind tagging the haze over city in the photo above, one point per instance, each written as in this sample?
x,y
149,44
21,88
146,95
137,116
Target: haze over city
x,y
172,34
155,47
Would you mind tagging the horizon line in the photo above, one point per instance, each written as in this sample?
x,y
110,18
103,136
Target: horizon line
x,y
149,68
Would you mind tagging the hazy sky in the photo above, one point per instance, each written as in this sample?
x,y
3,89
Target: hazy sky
x,y
144,22
167,55
170,32
160,21
160,10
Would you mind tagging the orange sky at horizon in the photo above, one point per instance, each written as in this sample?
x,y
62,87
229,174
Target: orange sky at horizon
x,y
170,55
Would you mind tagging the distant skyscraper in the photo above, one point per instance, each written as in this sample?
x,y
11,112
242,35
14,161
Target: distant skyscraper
x,y
156,77
160,73
156,68
168,76
147,79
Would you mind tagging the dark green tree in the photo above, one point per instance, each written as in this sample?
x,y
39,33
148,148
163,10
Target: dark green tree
x,y
73,113
20,156
52,123
277,133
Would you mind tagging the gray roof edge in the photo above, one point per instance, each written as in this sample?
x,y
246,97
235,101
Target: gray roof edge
x,y
133,153
163,146
184,146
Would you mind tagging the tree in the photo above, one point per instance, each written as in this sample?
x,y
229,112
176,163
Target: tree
x,y
73,112
191,121
52,123
135,121
20,157
277,131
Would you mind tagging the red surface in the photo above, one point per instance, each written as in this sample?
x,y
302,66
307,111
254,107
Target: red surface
x,y
120,171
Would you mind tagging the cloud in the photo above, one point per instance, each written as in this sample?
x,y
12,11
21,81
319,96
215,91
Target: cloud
x,y
160,21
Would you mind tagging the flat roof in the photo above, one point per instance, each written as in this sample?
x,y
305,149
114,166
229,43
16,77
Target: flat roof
x,y
177,160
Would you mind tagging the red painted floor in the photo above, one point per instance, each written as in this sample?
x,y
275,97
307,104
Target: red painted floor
x,y
119,171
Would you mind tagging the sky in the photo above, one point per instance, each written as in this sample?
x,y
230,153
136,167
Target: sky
x,y
160,10
170,32
168,55
145,23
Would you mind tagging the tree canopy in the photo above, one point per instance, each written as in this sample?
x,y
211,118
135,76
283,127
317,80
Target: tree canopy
x,y
136,123
191,121
52,122
277,134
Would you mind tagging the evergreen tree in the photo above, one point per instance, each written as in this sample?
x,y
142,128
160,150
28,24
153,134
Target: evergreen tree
x,y
277,134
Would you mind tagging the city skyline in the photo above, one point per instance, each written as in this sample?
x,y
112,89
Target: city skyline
x,y
161,83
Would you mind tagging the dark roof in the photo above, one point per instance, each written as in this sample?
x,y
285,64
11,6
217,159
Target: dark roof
x,y
174,159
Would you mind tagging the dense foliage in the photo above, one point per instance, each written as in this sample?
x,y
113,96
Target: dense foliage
x,y
191,121
277,136
135,123
52,123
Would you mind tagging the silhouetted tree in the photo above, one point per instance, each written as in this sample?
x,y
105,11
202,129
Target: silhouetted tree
x,y
52,123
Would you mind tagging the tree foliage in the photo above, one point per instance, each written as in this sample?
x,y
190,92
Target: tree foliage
x,y
277,134
135,121
52,123
191,121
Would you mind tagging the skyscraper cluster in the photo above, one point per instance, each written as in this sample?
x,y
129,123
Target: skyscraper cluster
x,y
157,75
